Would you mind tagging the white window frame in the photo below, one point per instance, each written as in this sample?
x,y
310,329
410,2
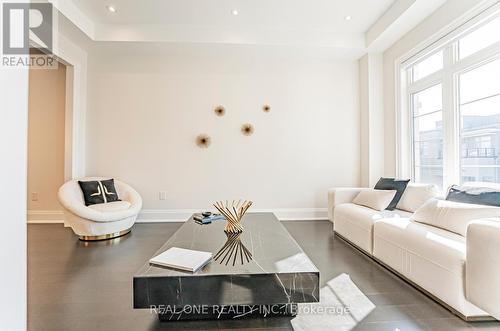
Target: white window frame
x,y
448,77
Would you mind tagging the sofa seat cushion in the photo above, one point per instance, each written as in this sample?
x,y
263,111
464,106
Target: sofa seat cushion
x,y
111,207
355,222
442,248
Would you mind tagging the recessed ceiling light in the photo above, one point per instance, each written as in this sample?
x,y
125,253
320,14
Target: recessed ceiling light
x,y
348,18
111,9
235,12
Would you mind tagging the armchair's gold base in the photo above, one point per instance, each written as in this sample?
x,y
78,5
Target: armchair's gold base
x,y
105,236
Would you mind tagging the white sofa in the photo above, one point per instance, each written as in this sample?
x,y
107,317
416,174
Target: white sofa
x,y
463,273
100,221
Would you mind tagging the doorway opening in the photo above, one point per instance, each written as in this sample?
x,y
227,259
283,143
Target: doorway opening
x,y
48,102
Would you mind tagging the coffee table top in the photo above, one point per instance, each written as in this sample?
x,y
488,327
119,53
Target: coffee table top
x,y
273,250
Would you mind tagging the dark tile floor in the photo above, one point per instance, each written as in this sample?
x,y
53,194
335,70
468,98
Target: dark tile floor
x,y
78,286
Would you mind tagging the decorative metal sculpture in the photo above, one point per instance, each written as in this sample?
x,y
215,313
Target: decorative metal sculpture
x,y
233,249
247,129
220,111
233,213
203,141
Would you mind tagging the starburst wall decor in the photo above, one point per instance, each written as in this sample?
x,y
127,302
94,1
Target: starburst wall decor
x,y
220,111
247,129
203,140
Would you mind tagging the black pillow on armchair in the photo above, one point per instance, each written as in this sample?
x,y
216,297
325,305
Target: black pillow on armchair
x,y
95,192
392,184
110,190
92,193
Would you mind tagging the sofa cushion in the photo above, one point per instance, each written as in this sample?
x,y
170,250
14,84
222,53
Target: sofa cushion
x,y
443,248
375,199
483,265
432,258
111,207
452,216
476,195
392,184
416,195
355,222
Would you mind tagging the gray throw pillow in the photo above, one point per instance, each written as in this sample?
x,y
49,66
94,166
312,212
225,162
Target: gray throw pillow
x,y
476,195
392,184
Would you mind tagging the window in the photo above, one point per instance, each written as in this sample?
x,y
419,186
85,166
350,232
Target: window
x,y
479,95
428,135
453,110
428,66
483,37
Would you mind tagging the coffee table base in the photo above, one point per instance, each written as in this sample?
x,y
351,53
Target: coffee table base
x,y
176,313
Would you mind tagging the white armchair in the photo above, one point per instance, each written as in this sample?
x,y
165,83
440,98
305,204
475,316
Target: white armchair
x,y
100,221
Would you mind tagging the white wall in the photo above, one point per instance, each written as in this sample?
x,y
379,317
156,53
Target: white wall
x,y
147,104
372,118
13,142
440,22
364,107
72,48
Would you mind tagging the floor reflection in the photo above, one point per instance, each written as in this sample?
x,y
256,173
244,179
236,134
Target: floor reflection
x,y
104,242
342,306
234,250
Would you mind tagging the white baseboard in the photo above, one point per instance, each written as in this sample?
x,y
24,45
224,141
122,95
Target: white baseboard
x,y
45,216
182,215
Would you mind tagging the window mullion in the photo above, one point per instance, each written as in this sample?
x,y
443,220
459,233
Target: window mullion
x,y
451,143
424,83
405,141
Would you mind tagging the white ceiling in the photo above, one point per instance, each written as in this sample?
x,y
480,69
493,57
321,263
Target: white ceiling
x,y
326,15
300,23
267,22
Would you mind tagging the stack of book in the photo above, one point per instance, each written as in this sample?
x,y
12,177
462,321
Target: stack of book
x,y
200,219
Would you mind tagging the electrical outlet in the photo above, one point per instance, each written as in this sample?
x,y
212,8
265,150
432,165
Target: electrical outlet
x,y
163,195
34,196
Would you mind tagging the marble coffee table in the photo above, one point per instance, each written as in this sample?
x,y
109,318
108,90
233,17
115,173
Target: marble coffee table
x,y
262,271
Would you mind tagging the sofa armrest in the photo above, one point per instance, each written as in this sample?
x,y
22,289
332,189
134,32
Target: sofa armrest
x,y
483,265
339,195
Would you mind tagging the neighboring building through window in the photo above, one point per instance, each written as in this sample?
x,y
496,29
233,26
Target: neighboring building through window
x,y
479,97
428,135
